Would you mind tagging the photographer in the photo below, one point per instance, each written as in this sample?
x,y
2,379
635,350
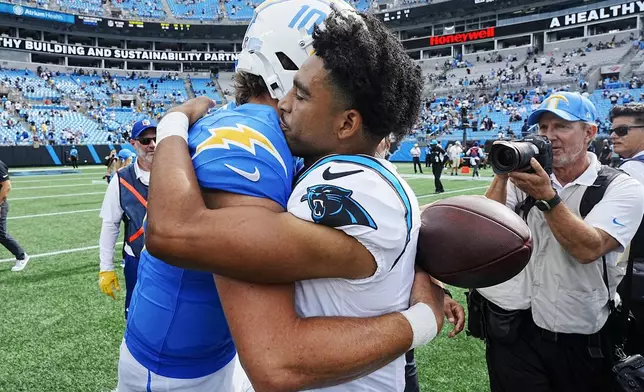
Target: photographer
x,y
544,327
436,156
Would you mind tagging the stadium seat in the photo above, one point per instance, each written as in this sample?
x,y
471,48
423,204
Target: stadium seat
x,y
200,87
196,9
142,8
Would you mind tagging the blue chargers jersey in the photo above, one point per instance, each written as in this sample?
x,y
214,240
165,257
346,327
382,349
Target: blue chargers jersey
x,y
176,326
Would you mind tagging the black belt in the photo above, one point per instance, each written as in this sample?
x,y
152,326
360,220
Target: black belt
x,y
592,340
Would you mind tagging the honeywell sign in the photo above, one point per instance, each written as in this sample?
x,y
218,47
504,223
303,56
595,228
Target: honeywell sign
x,y
462,37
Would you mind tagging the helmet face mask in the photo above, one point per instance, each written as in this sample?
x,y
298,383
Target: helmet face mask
x,y
278,40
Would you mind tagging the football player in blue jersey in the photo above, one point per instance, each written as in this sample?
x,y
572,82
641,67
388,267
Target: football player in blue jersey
x,y
346,320
176,336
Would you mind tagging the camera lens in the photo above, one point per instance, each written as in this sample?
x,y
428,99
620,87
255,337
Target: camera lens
x,y
506,157
503,157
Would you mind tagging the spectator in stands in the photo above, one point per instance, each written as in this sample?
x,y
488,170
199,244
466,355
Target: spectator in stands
x,y
525,128
6,239
415,156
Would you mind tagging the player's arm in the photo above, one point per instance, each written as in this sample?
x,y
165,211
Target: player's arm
x,y
498,190
247,243
4,190
282,352
611,224
110,214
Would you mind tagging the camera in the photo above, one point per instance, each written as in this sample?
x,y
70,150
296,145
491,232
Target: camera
x,y
511,156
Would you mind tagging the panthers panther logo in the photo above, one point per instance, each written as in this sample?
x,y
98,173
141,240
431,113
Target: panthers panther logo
x,y
333,206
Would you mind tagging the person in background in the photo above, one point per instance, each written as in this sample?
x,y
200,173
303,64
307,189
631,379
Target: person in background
x,y
606,153
384,147
125,158
627,134
475,155
6,239
111,161
437,159
545,327
126,200
73,156
454,152
415,156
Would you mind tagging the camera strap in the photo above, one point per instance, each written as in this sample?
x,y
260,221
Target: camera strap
x,y
591,197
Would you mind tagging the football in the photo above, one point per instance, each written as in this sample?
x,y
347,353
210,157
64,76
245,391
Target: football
x,y
472,242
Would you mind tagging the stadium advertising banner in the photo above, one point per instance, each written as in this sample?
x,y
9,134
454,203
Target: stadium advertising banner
x,y
21,10
462,37
563,21
118,26
614,11
120,54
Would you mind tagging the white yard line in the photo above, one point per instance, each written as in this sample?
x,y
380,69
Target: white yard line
x,y
19,180
56,196
463,177
452,192
58,186
52,214
61,167
58,252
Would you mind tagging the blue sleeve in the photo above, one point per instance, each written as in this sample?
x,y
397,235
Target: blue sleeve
x,y
238,154
244,174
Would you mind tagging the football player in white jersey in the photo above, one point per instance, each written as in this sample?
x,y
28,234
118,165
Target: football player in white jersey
x,y
345,320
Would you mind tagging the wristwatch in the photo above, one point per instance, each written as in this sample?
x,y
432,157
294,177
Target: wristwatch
x,y
547,205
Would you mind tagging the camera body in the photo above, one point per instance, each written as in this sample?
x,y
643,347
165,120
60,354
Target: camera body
x,y
511,156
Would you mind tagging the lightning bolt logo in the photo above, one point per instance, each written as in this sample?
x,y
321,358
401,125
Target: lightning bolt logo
x,y
241,136
553,100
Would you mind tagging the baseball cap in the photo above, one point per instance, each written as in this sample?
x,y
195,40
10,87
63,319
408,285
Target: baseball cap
x,y
140,126
567,105
125,154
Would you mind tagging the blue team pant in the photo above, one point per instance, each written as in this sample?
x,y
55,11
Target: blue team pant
x,y
130,272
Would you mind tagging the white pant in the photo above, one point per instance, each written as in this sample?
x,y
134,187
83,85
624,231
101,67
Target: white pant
x,y
133,377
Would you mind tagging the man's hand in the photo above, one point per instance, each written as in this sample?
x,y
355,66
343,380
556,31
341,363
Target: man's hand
x,y
537,185
455,315
107,280
194,108
426,291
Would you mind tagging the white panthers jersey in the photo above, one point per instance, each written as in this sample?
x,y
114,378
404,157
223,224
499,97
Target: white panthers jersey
x,y
364,197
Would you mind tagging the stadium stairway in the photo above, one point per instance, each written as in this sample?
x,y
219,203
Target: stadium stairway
x,y
627,70
188,85
221,90
168,11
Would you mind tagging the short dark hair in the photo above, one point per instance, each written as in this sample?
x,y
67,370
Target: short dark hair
x,y
248,86
369,68
635,110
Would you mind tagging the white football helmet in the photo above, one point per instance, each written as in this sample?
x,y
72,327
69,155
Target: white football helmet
x,y
279,29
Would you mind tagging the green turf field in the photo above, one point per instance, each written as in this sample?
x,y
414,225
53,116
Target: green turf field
x,y
59,333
